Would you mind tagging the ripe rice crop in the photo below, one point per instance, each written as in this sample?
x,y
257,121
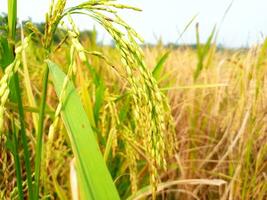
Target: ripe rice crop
x,y
86,121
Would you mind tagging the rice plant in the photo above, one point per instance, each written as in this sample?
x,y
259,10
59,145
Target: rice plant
x,y
83,121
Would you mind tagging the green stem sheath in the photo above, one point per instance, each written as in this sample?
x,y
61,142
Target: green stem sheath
x,y
23,136
12,22
38,149
17,162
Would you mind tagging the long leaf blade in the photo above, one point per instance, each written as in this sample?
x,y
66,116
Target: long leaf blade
x,y
95,180
159,66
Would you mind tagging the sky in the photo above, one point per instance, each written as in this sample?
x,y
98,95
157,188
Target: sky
x,y
244,25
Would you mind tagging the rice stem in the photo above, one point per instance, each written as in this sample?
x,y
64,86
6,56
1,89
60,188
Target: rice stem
x,y
40,133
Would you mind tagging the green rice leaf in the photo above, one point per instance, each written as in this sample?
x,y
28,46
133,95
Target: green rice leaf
x,y
94,178
159,67
202,51
6,56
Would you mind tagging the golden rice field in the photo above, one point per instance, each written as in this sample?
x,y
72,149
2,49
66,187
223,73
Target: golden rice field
x,y
79,120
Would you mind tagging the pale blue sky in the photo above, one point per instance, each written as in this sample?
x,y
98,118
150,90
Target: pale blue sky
x,y
246,22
